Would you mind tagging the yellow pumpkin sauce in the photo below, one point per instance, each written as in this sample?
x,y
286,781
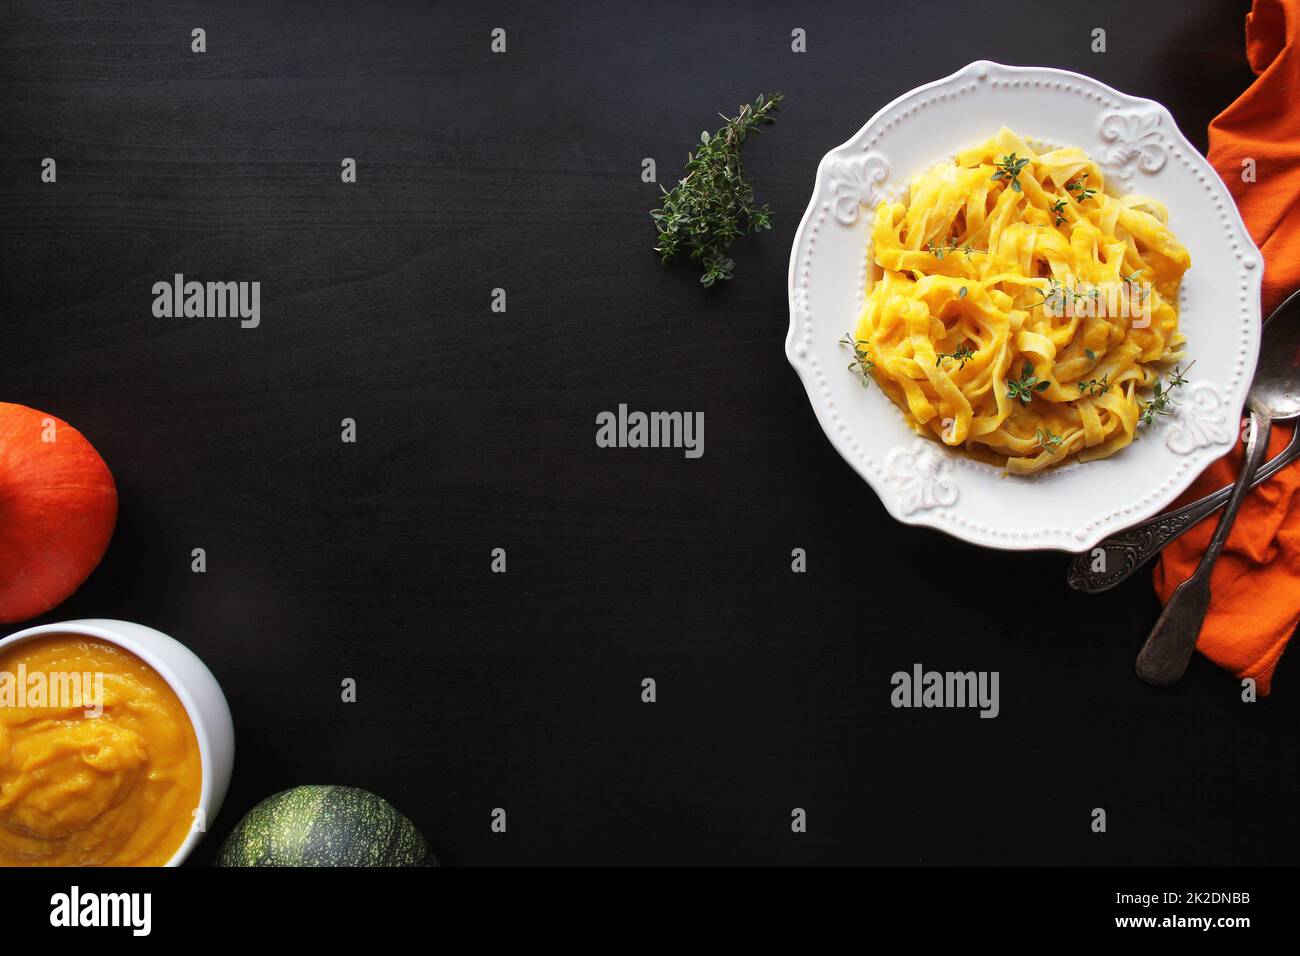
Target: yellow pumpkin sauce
x,y
118,789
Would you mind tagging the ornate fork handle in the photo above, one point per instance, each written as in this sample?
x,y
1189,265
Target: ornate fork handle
x,y
1122,554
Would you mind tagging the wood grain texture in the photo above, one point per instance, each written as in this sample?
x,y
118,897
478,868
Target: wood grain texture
x,y
476,430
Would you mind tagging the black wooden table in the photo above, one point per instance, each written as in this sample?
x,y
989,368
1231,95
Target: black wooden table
x,y
371,560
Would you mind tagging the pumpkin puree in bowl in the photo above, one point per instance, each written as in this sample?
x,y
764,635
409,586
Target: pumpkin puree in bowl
x,y
117,789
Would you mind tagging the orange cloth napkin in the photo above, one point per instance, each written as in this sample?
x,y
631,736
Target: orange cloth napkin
x,y
1256,583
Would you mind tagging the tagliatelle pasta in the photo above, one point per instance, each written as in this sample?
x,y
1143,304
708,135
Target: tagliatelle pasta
x,y
1016,309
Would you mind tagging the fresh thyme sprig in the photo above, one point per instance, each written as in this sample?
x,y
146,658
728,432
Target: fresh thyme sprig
x,y
1059,294
948,245
964,353
1048,440
1162,396
862,363
1081,191
1095,386
1009,169
1178,377
713,204
1058,211
1056,293
1131,280
1024,387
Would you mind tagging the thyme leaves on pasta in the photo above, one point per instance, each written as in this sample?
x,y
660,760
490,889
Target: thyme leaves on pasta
x,y
1048,440
1058,296
1162,396
862,363
1080,191
948,245
1132,280
963,354
1009,169
1095,386
1024,387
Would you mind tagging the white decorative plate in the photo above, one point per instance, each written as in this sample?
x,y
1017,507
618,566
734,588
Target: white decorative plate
x,y
1140,149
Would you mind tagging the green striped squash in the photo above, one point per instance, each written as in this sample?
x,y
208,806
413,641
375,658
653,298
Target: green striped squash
x,y
325,826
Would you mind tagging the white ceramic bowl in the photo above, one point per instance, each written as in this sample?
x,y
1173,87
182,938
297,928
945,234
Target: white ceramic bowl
x,y
1139,148
193,683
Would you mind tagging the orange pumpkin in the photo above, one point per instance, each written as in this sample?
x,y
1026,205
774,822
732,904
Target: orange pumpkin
x,y
58,505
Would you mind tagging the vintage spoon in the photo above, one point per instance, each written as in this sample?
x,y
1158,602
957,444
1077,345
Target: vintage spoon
x,y
1274,396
